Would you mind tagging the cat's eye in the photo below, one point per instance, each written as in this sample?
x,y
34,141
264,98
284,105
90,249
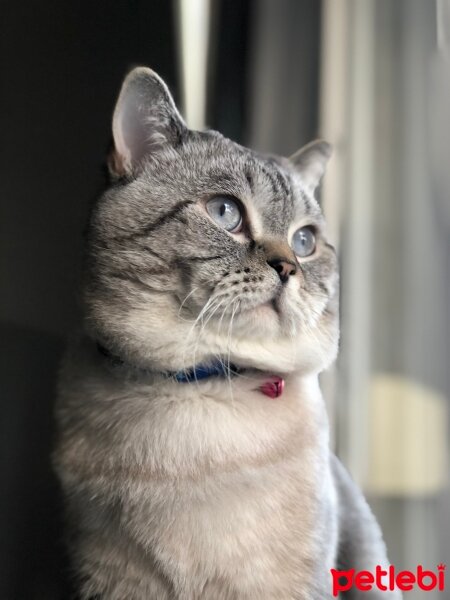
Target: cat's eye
x,y
226,212
304,242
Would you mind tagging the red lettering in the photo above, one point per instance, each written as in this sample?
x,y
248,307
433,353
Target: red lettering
x,y
379,574
364,581
388,579
441,576
392,577
405,580
337,585
421,575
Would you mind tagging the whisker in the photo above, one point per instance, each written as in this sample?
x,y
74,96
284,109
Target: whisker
x,y
184,301
192,329
213,308
236,301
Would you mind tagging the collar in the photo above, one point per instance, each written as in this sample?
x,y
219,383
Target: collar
x,y
199,372
273,387
215,369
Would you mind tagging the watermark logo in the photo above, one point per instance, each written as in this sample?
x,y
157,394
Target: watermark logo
x,y
389,579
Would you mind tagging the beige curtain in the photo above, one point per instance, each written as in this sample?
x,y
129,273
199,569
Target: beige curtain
x,y
385,104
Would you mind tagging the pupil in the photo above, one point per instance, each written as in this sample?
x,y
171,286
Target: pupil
x,y
222,210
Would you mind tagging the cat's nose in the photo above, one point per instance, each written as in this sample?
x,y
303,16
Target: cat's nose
x,y
285,268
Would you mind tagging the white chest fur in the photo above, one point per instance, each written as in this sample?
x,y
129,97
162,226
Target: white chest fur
x,y
217,483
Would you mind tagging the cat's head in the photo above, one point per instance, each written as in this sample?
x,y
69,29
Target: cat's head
x,y
201,248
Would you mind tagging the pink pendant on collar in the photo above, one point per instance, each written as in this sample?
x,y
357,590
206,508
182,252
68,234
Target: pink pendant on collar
x,y
273,388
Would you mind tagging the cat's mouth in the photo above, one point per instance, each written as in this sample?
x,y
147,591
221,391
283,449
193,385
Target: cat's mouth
x,y
267,309
274,303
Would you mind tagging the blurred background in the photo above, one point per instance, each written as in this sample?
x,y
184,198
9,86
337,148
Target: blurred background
x,y
370,76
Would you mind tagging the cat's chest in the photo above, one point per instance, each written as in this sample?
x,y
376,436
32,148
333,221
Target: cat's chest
x,y
188,430
220,489
256,527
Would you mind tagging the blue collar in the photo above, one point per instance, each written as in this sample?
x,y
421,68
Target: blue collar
x,y
215,369
273,387
199,372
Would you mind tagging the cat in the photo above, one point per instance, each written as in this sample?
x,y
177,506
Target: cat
x,y
193,446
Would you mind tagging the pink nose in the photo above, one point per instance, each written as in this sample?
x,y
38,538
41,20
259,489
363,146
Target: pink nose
x,y
273,388
284,268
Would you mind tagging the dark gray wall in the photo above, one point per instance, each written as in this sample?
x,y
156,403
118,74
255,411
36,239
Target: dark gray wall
x,y
61,65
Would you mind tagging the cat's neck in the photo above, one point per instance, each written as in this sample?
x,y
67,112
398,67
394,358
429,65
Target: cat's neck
x,y
180,430
272,386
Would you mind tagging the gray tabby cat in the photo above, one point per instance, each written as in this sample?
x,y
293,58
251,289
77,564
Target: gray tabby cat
x,y
193,438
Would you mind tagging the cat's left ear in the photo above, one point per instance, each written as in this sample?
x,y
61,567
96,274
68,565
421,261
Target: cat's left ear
x,y
311,161
145,119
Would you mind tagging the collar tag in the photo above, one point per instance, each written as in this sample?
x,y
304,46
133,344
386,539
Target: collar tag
x,y
273,388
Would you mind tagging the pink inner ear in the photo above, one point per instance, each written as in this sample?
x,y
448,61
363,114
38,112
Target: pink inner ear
x,y
145,118
273,388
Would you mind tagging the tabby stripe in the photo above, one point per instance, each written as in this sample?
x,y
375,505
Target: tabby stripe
x,y
323,287
171,214
272,179
137,282
307,202
330,247
201,258
155,254
282,180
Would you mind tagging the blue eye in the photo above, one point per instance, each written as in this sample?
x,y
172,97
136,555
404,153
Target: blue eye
x,y
225,212
304,242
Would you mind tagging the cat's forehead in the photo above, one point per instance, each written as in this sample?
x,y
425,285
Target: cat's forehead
x,y
269,185
278,194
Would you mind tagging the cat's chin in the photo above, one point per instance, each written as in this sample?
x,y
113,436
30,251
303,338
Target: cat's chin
x,y
262,320
276,352
269,320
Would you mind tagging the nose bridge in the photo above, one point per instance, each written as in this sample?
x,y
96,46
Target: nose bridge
x,y
281,258
278,250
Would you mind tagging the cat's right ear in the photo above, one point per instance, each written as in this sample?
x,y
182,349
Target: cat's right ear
x,y
145,119
311,161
